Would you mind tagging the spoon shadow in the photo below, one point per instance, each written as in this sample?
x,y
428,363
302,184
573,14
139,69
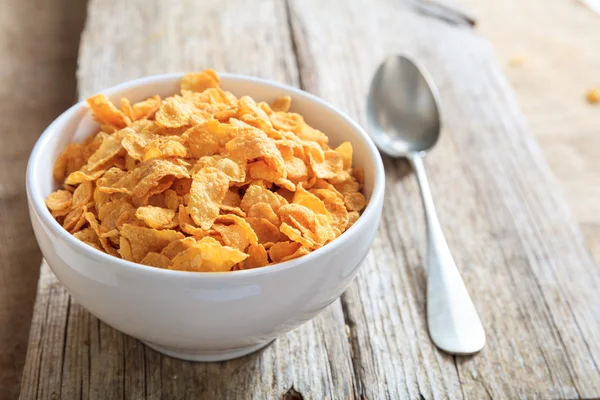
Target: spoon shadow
x,y
399,168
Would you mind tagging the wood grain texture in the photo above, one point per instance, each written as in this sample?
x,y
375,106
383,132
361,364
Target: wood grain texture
x,y
38,49
550,70
513,237
124,40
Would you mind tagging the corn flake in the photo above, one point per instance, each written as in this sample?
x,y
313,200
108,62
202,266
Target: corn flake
x,y
352,217
281,250
174,112
345,151
302,251
157,217
208,255
82,194
145,177
259,194
206,194
187,225
355,201
89,236
241,222
144,240
287,121
265,231
200,81
252,143
59,200
156,260
296,236
146,109
106,112
70,160
233,236
91,219
257,257
281,103
125,249
177,246
264,210
77,177
331,166
208,138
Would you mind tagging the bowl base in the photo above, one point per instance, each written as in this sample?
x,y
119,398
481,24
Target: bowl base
x,y
207,356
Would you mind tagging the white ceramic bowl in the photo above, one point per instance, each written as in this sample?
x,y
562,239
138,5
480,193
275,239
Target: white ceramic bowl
x,y
195,315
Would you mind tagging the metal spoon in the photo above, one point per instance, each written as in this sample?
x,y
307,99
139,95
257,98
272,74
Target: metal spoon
x,y
404,121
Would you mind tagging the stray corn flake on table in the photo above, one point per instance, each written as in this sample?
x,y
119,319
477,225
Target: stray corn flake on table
x,y
204,181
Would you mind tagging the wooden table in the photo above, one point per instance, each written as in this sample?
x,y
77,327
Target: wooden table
x,y
519,250
38,53
551,69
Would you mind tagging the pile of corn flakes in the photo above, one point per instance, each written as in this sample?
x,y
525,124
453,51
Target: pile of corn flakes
x,y
204,181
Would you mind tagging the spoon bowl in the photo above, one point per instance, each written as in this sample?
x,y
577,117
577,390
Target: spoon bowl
x,y
402,108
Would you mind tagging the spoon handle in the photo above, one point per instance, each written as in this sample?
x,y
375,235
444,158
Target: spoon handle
x,y
454,325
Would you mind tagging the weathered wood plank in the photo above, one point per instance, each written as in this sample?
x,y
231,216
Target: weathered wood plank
x,y
39,323
128,39
38,49
77,363
520,253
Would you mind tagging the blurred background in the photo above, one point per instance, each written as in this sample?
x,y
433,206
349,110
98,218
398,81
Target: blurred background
x,y
547,48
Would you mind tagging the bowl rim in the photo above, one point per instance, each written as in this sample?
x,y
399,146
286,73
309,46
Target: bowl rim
x,y
38,201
